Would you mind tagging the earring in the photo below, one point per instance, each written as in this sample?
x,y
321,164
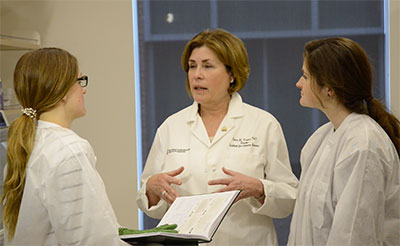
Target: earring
x,y
232,80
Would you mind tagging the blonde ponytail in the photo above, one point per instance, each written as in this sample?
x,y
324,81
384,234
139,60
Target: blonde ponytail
x,y
20,143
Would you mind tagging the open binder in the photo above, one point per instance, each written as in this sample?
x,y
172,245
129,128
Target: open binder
x,y
198,218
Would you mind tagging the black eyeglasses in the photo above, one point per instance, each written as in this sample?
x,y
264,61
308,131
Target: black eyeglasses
x,y
83,81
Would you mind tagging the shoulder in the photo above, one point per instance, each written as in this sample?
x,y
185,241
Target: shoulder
x,y
362,134
255,112
322,131
57,144
365,145
180,118
63,137
317,137
181,114
365,132
259,118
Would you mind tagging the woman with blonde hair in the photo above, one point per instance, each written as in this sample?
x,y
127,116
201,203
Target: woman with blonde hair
x,y
53,194
349,192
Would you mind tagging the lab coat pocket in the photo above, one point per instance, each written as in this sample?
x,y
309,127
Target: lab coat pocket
x,y
245,163
318,198
174,161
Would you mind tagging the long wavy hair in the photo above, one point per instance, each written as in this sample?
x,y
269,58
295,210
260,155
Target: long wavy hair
x,y
41,79
341,64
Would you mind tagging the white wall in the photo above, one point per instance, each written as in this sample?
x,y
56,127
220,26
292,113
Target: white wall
x,y
99,34
394,13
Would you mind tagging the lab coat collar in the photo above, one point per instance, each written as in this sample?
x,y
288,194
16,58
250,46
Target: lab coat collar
x,y
41,124
334,136
46,124
235,110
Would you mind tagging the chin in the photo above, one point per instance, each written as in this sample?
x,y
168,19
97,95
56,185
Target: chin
x,y
198,99
82,114
305,105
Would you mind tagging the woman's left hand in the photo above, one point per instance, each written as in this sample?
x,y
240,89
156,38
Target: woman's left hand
x,y
250,187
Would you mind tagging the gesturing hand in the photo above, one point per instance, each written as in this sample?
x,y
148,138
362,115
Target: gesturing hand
x,y
159,187
250,187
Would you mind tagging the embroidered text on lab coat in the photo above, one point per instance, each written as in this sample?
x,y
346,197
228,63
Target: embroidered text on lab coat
x,y
244,142
183,151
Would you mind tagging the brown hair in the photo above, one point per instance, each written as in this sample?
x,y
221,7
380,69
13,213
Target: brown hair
x,y
342,65
229,49
41,79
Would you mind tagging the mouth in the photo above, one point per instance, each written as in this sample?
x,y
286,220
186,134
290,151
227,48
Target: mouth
x,y
199,88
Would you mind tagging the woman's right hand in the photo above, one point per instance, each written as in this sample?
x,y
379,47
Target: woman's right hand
x,y
159,187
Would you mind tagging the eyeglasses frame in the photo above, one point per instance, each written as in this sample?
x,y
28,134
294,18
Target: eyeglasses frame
x,y
83,81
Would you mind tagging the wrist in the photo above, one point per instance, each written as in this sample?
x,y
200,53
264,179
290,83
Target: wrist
x,y
261,198
261,189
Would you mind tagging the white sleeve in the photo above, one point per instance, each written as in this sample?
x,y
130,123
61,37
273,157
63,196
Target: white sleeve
x,y
280,184
154,165
78,206
359,200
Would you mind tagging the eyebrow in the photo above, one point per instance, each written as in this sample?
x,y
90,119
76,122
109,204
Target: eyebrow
x,y
203,61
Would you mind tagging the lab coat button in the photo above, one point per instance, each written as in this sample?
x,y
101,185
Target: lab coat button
x,y
214,169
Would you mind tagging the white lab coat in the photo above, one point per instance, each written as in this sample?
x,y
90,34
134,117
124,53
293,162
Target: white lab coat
x,y
349,190
64,200
250,141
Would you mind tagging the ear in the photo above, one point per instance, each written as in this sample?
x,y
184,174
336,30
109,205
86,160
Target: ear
x,y
64,99
328,92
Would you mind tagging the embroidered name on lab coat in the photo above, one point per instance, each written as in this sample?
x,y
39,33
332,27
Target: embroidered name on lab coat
x,y
244,142
169,151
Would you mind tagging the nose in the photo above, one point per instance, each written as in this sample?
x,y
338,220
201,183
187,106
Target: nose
x,y
197,73
299,83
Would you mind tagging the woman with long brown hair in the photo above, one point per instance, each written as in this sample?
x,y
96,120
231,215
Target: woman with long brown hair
x,y
349,192
53,194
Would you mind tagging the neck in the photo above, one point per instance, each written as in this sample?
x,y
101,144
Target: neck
x,y
57,116
212,110
336,114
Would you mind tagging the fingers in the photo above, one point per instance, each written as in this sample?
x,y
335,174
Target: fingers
x,y
170,192
220,181
225,181
171,180
169,196
159,186
226,188
171,176
229,172
250,186
175,172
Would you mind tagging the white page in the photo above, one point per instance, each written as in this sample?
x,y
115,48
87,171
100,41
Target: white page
x,y
197,214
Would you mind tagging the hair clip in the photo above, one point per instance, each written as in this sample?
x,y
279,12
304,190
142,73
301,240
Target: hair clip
x,y
30,112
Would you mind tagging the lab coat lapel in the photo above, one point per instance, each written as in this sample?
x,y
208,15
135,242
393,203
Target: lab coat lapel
x,y
196,125
198,129
235,111
226,126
